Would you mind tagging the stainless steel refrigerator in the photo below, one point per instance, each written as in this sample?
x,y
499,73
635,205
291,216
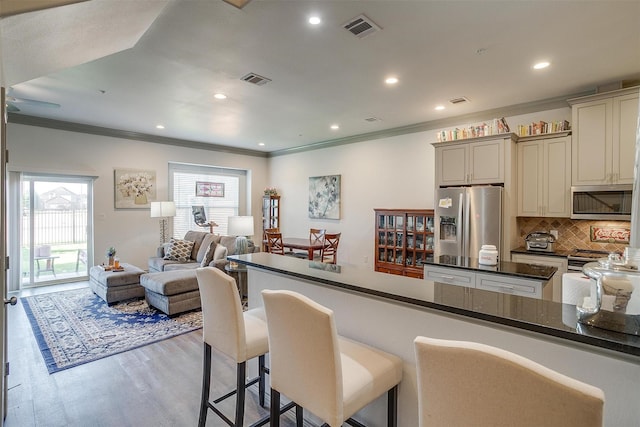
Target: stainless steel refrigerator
x,y
467,218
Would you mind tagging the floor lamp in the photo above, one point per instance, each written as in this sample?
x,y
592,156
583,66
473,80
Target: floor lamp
x,y
241,227
163,210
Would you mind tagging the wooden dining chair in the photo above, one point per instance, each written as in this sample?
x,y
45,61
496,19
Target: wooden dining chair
x,y
330,252
265,247
274,243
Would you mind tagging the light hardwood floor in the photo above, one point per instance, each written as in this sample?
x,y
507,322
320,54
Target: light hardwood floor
x,y
155,385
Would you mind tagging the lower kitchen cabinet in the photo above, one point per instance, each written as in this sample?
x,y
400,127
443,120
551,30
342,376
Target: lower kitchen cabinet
x,y
553,292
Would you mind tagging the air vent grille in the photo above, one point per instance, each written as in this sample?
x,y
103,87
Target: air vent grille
x,y
361,26
460,100
372,119
256,79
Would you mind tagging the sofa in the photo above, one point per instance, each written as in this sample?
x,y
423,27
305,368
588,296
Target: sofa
x,y
212,248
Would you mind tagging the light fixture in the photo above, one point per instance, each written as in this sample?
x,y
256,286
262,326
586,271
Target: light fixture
x,y
335,127
159,127
163,210
220,96
541,65
439,107
391,80
261,144
241,227
237,3
314,20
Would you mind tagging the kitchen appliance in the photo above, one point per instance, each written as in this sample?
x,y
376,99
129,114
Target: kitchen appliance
x,y
602,202
540,241
579,257
467,218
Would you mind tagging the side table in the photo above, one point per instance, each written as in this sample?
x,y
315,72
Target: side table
x,y
238,272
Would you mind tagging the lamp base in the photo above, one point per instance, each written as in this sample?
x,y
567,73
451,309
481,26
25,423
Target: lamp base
x,y
241,245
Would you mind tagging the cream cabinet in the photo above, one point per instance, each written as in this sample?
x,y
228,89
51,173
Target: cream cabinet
x,y
544,176
472,161
554,292
604,129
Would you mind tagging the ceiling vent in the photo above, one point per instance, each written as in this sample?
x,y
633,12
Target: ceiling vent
x,y
460,100
255,79
361,26
372,119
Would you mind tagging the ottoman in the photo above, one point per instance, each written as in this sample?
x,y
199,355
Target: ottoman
x,y
172,292
113,286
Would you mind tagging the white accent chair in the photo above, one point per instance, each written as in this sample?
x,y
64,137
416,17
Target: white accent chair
x,y
464,383
240,335
331,376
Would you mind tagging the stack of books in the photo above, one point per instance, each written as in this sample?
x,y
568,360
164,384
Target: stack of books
x,y
542,127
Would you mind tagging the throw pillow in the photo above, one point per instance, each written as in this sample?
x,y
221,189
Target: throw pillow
x,y
220,252
208,256
179,250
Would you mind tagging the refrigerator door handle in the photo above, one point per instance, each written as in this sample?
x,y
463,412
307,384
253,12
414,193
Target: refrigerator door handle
x,y
466,224
460,227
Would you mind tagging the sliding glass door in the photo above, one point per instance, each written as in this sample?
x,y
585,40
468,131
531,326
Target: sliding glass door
x,y
55,219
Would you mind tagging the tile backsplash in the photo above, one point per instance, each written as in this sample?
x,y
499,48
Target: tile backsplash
x,y
572,233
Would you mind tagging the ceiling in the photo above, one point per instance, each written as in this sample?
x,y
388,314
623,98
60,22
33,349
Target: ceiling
x,y
131,65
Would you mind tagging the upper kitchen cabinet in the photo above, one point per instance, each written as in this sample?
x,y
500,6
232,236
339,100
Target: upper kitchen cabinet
x,y
471,161
544,176
604,129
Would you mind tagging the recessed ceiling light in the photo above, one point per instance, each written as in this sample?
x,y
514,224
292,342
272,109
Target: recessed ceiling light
x,y
159,127
541,65
439,107
220,96
314,20
335,127
391,80
261,144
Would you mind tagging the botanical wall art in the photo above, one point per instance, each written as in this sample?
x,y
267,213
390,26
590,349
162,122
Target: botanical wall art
x,y
134,188
324,197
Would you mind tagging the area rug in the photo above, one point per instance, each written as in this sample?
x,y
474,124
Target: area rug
x,y
76,327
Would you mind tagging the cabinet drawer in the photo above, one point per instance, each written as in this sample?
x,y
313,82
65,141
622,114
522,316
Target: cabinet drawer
x,y
450,276
509,285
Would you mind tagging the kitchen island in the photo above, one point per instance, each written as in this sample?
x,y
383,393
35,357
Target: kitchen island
x,y
389,311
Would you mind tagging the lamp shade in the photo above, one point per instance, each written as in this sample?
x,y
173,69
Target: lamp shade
x,y
163,209
240,226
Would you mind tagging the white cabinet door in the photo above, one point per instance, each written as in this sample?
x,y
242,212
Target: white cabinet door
x,y
544,177
555,291
592,139
451,165
625,116
486,162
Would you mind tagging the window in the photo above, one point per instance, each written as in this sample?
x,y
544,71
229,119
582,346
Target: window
x,y
220,190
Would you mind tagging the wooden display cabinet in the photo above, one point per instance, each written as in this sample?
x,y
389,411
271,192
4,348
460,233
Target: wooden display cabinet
x,y
404,240
270,214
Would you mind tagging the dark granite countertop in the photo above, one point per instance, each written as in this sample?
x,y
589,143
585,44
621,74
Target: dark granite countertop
x,y
549,318
505,268
557,253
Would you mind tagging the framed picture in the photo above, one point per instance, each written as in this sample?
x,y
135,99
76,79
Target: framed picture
x,y
209,189
134,188
324,197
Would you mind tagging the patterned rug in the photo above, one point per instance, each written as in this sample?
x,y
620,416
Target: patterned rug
x,y
76,327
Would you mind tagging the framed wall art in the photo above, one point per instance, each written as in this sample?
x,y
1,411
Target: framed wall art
x,y
324,197
209,189
134,188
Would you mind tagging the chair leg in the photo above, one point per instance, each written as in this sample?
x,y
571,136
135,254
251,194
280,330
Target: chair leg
x,y
392,407
206,383
299,416
274,420
261,381
240,393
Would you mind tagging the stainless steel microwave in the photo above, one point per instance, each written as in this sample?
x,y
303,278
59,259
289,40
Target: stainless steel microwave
x,y
602,202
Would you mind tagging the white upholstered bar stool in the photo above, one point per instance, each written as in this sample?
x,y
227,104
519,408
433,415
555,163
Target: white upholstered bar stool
x,y
331,376
464,383
240,335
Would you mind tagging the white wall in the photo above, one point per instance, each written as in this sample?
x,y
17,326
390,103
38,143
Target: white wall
x,y
132,232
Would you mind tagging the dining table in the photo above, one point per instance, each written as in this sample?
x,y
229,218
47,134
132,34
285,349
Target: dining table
x,y
303,243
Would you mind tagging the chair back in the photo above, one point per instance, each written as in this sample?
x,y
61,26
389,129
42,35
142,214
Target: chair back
x,y
316,235
274,243
465,383
265,246
222,320
330,252
305,359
